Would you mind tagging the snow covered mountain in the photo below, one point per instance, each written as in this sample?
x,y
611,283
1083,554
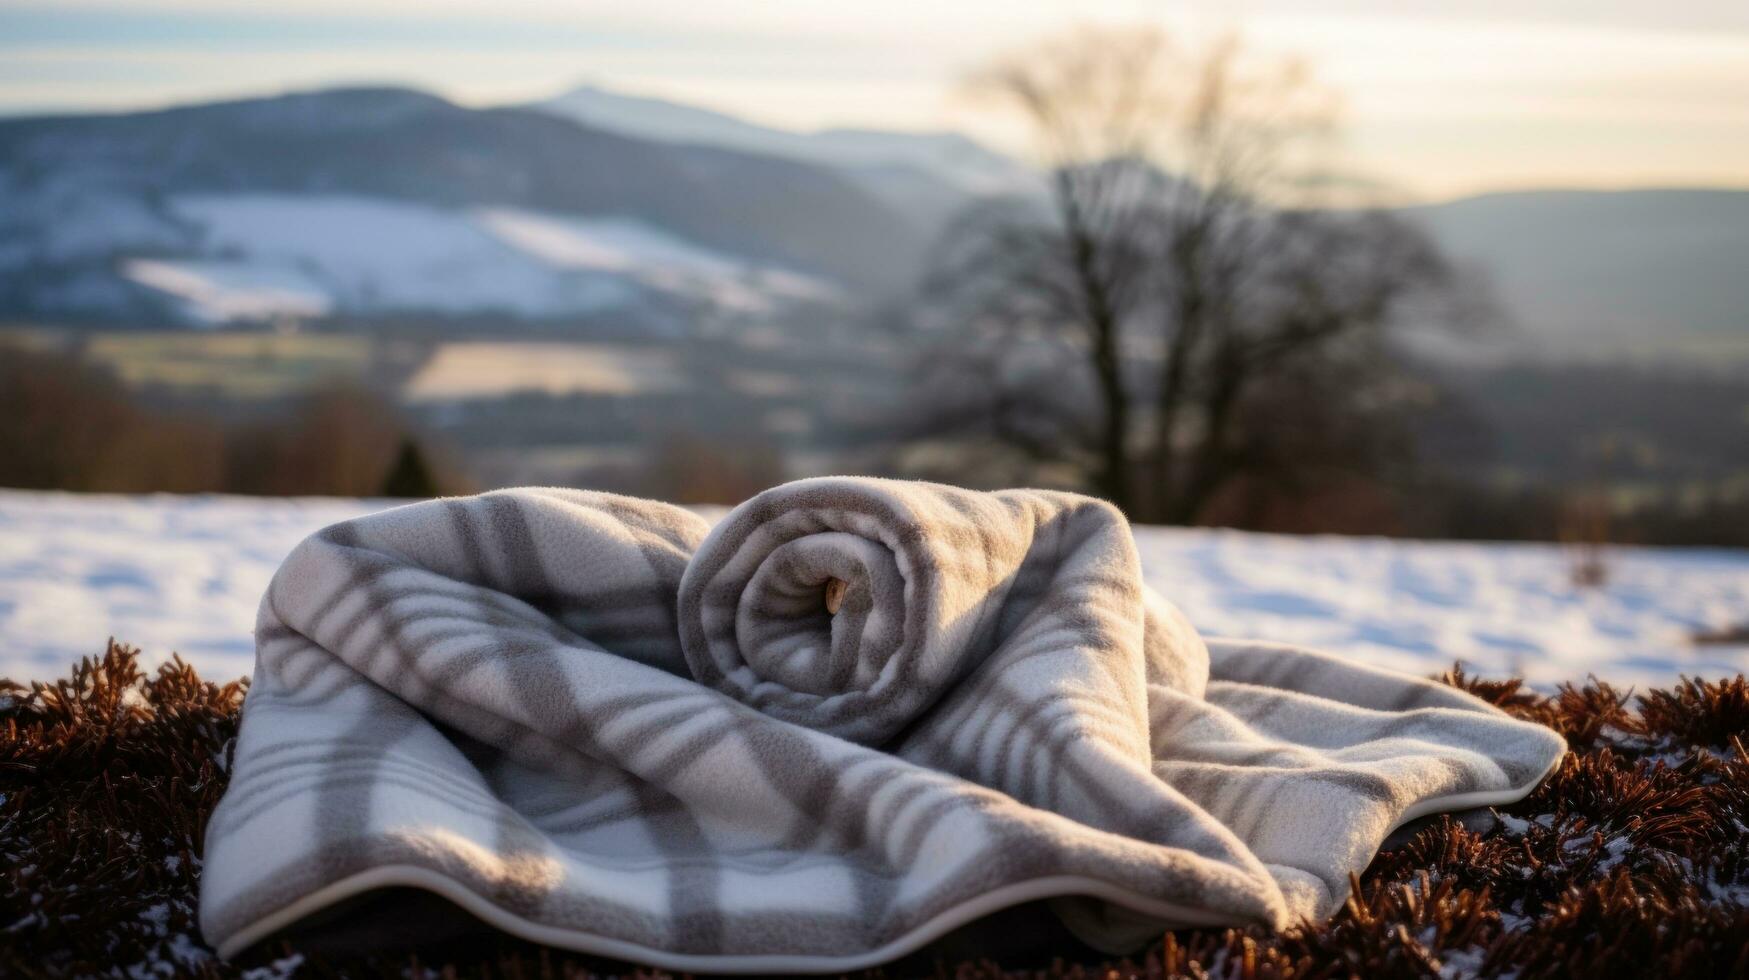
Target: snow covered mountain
x,y
377,201
652,215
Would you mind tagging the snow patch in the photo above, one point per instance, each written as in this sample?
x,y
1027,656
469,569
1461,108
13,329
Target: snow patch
x,y
214,292
227,257
373,256
280,969
650,256
1466,962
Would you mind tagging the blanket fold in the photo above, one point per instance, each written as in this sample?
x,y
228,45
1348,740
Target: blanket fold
x,y
601,723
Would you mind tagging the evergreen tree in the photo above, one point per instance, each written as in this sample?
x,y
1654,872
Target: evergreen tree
x,y
411,475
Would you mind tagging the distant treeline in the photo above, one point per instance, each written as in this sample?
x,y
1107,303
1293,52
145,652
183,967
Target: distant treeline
x,y
66,424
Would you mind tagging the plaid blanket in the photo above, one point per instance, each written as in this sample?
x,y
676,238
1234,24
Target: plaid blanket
x,y
852,716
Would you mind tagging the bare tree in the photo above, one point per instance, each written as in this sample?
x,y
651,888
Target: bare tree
x,y
1191,249
1092,105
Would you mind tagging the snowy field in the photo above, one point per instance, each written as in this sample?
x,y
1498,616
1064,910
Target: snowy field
x,y
184,574
258,255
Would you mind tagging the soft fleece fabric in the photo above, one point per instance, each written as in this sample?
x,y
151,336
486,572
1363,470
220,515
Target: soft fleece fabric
x,y
600,723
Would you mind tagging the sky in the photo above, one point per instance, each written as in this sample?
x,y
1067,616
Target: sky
x,y
1441,97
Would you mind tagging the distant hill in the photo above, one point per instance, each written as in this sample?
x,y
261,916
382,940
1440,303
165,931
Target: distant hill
x,y
1625,268
205,196
927,177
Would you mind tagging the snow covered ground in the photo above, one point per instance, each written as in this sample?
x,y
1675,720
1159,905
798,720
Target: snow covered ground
x,y
184,574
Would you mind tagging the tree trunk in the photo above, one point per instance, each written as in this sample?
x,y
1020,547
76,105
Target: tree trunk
x,y
1114,435
1190,313
1209,466
1113,478
1167,402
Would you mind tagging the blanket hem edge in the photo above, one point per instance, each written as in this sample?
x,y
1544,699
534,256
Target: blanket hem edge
x,y
414,876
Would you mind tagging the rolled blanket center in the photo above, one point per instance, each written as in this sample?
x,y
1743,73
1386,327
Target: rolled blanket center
x,y
922,571
789,635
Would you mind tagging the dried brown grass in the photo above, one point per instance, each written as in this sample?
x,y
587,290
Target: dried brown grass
x,y
1631,860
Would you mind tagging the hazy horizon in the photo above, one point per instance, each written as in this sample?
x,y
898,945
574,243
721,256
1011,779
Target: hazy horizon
x,y
1441,100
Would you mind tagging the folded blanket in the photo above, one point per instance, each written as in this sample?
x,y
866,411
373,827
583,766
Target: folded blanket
x,y
852,716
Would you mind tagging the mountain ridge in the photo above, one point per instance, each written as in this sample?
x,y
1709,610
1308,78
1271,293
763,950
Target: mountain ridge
x,y
575,215
950,155
925,176
120,175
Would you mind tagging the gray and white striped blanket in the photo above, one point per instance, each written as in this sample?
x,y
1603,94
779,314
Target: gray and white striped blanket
x,y
598,722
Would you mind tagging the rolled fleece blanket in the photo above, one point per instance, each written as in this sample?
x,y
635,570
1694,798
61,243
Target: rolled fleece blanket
x,y
849,718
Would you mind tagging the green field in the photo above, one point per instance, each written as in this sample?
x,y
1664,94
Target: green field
x,y
234,365
243,365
